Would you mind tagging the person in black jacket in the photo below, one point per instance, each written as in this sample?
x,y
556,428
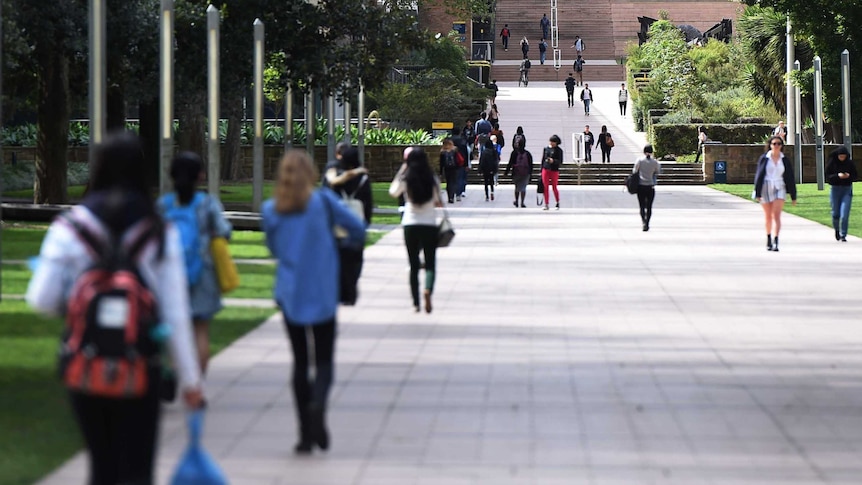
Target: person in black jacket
x,y
773,182
489,162
841,173
552,159
351,180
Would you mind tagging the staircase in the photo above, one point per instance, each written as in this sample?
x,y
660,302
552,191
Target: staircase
x,y
610,174
592,21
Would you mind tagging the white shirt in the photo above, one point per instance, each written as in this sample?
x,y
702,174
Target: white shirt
x,y
624,95
415,214
774,171
579,45
64,257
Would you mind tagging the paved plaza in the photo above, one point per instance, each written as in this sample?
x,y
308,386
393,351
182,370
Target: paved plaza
x,y
569,347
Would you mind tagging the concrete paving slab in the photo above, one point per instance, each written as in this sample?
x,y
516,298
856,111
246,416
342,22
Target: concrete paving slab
x,y
570,347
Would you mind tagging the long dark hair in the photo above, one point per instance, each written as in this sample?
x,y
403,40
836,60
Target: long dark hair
x,y
186,171
120,185
419,177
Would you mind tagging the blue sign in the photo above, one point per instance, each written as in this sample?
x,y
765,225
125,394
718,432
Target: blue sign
x,y
720,166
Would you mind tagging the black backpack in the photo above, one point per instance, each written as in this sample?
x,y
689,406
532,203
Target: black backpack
x,y
109,344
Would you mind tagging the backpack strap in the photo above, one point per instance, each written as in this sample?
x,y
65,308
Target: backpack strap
x,y
96,246
359,186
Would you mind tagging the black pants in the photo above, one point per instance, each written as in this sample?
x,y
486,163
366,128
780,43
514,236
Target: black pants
x,y
588,153
421,238
488,178
308,392
571,97
623,107
120,435
646,195
606,153
451,182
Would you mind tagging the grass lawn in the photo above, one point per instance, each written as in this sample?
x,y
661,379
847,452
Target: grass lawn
x,y
812,204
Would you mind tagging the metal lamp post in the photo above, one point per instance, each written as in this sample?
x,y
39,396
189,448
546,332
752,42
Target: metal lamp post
x,y
257,167
845,98
818,121
98,78
797,126
166,85
791,62
214,144
360,129
288,118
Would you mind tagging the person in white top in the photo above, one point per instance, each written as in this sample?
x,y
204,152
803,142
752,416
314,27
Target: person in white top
x,y
781,131
773,182
579,45
623,99
421,189
120,432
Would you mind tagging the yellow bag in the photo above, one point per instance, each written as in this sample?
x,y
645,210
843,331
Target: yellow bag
x,y
225,268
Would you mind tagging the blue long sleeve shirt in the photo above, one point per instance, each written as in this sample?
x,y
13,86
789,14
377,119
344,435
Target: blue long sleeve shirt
x,y
307,274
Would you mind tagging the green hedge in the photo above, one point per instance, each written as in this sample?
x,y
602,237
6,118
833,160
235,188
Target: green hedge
x,y
682,139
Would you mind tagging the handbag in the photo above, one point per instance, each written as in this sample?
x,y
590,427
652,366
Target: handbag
x,y
225,268
354,205
632,182
197,466
445,231
609,141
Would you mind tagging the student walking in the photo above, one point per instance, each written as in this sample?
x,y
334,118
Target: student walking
x,y
198,218
773,182
449,168
841,173
543,49
505,33
578,67
297,222
648,170
521,166
605,143
579,45
570,90
545,23
83,264
525,46
623,98
587,98
489,161
416,181
552,159
589,140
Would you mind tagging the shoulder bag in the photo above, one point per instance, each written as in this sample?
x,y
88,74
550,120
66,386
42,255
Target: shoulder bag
x,y
445,231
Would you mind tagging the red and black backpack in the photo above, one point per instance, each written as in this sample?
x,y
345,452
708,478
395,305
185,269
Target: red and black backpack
x,y
109,343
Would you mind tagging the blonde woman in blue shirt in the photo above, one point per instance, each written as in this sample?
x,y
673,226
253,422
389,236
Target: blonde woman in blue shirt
x,y
298,223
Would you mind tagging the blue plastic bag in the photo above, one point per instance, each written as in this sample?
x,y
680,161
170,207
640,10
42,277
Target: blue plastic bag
x,y
197,466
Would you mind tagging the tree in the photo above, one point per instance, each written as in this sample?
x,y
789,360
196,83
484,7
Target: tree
x,y
52,31
829,26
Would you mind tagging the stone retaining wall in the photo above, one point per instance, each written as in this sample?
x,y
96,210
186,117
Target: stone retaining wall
x,y
742,161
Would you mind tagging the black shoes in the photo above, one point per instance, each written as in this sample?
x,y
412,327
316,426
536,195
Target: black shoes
x,y
837,235
843,238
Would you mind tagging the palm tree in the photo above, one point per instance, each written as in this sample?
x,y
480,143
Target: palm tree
x,y
762,32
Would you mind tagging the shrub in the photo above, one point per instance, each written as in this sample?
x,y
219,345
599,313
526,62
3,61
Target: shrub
x,y
682,138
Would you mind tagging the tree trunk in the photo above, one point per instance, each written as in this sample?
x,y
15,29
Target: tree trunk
x,y
193,121
148,113
52,139
230,162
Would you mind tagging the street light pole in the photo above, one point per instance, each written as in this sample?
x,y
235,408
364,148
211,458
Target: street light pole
x,y
845,98
214,148
791,99
257,167
288,118
797,127
166,85
98,78
818,121
360,129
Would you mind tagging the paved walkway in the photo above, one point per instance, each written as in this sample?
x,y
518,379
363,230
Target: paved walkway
x,y
568,348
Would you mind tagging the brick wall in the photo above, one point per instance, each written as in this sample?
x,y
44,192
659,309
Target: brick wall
x,y
435,19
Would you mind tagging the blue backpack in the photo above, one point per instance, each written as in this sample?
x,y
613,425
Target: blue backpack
x,y
185,218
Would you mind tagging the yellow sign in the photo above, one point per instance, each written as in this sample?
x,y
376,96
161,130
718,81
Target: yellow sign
x,y
442,125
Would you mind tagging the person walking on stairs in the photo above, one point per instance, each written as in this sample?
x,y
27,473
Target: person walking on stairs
x,y
589,140
525,46
546,26
578,67
505,33
521,166
543,49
